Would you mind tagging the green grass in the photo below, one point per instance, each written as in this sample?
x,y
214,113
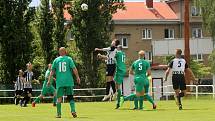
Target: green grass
x,y
200,110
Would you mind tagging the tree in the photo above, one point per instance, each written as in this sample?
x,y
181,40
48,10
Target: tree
x,y
45,29
212,62
15,37
207,9
59,29
92,29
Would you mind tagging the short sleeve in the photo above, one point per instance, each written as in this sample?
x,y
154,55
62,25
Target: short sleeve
x,y
72,64
147,65
54,65
170,64
133,66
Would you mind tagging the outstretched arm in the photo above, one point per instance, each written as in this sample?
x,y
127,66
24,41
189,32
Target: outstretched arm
x,y
50,76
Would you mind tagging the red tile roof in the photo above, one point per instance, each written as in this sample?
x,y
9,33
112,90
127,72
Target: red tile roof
x,y
139,11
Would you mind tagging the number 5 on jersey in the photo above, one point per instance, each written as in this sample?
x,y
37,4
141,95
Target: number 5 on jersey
x,y
62,66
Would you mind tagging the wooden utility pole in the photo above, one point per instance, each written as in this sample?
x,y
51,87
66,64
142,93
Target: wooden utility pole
x,y
186,31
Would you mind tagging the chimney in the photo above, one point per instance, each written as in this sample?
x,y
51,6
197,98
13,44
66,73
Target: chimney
x,y
149,3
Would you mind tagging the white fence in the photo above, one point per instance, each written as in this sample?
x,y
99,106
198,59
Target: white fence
x,y
165,93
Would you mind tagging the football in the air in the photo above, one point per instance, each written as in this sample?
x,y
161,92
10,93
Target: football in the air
x,y
84,7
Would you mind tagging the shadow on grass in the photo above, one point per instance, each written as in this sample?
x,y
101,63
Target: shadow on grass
x,y
128,109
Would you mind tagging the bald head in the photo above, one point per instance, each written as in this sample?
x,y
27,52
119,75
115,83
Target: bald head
x,y
141,54
62,51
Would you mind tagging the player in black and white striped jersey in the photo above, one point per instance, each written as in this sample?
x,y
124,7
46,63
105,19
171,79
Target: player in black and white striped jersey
x,y
29,78
178,66
19,85
110,66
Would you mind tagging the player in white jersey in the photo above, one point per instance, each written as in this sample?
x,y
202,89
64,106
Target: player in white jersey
x,y
111,66
178,66
29,79
19,83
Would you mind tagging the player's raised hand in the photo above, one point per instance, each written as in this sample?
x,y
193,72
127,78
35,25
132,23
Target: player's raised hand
x,y
96,49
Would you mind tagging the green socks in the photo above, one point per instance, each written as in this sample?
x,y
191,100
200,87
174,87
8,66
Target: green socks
x,y
54,99
72,105
149,98
130,97
136,102
141,102
59,109
118,96
37,100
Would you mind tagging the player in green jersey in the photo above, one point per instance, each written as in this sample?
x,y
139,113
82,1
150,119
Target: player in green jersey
x,y
46,90
120,72
141,70
64,68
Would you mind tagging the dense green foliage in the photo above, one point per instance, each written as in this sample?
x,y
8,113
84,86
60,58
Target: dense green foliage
x,y
92,29
15,37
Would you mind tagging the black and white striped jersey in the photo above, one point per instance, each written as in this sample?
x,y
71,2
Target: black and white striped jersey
x,y
178,65
19,84
28,79
111,51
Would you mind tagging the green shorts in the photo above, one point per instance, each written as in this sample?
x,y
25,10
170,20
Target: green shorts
x,y
48,90
119,76
141,84
61,91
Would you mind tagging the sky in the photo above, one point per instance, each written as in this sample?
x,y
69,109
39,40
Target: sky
x,y
37,2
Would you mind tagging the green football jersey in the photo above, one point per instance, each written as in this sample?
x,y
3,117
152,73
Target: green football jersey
x,y
140,68
120,61
63,66
47,76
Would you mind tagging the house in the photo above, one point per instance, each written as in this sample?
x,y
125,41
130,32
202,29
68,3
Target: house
x,y
157,28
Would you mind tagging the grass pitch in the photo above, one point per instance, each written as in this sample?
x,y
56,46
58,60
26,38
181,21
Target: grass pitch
x,y
200,110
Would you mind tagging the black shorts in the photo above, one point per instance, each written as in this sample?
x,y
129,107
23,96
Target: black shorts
x,y
27,90
110,70
178,81
18,92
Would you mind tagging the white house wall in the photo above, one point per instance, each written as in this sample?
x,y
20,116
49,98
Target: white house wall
x,y
168,46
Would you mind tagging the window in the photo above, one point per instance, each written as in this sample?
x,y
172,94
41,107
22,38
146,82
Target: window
x,y
169,33
196,11
124,42
147,34
148,55
196,32
197,57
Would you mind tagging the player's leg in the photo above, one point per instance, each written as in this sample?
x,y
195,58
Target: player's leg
x,y
28,97
37,100
60,93
112,82
183,90
175,83
53,92
70,93
147,96
25,96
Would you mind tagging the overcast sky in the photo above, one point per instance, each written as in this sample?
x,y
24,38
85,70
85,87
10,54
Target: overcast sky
x,y
37,2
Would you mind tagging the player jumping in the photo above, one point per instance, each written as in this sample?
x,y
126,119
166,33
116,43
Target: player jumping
x,y
178,66
64,66
47,90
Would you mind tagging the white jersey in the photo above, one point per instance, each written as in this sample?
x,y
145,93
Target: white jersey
x,y
111,52
19,83
28,79
178,65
